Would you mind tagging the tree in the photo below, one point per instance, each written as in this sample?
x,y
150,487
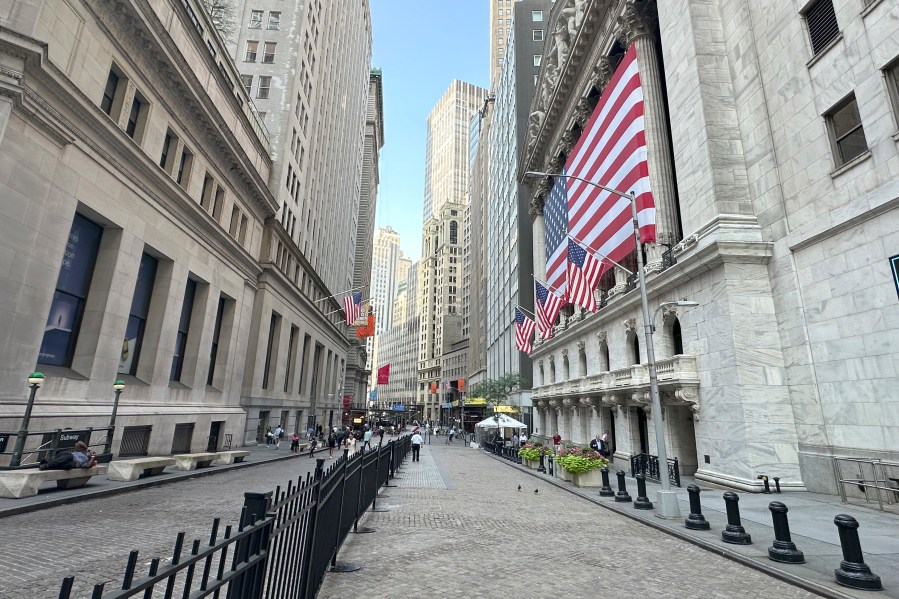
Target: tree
x,y
497,391
224,17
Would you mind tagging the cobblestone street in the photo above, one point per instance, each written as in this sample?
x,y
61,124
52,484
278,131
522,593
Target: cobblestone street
x,y
91,540
458,526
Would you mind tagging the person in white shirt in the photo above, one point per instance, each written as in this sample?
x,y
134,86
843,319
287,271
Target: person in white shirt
x,y
416,446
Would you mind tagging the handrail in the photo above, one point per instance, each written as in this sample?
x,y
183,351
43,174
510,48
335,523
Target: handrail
x,y
878,481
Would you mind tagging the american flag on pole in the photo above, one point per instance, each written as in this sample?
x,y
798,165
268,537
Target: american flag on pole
x,y
352,305
555,220
612,152
583,275
524,331
547,308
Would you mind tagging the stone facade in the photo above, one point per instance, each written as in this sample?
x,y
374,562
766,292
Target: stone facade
x,y
791,356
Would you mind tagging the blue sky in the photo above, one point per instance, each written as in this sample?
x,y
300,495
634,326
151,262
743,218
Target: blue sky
x,y
421,45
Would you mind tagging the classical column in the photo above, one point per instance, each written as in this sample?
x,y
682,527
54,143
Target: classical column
x,y
539,228
637,25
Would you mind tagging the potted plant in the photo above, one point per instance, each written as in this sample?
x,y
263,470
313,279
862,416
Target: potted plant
x,y
530,454
583,466
561,459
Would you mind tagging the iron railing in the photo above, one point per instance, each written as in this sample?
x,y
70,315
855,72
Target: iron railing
x,y
44,444
648,466
870,476
285,541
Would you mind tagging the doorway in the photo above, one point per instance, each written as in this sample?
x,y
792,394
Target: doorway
x,y
642,431
215,433
262,426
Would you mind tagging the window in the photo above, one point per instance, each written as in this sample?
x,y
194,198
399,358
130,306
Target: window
x,y
273,330
822,24
537,35
847,135
891,73
207,191
235,221
72,286
136,118
247,82
274,19
538,58
265,83
268,53
252,48
454,231
168,144
184,166
140,308
256,19
216,335
499,31
109,92
187,307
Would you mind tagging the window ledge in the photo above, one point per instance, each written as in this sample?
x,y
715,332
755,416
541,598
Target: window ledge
x,y
849,165
63,372
825,50
896,136
869,8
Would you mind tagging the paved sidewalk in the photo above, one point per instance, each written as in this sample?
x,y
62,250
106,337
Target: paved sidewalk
x,y
99,486
811,525
457,525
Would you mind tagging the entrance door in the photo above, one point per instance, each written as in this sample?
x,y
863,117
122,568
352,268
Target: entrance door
x,y
215,432
612,444
643,431
262,426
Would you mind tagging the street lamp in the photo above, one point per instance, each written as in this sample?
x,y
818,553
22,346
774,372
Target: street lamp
x,y
667,499
34,380
118,386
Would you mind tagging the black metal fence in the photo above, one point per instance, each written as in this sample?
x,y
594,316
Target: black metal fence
x,y
648,466
38,445
285,540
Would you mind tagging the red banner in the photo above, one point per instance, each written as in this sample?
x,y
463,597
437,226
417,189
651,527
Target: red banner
x,y
368,330
384,374
461,386
433,388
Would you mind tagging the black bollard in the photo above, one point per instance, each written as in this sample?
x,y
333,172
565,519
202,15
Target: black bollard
x,y
642,502
764,479
605,490
541,468
784,549
621,495
695,521
551,466
853,571
734,532
776,484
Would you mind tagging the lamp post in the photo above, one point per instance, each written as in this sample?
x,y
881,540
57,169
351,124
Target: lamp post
x,y
118,386
34,380
667,499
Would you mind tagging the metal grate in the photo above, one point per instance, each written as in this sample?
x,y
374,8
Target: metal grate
x,y
184,433
822,24
135,440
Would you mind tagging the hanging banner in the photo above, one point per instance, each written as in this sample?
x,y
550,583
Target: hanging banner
x,y
384,374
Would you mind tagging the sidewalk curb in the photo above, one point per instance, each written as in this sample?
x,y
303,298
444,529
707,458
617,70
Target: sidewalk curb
x,y
782,575
142,484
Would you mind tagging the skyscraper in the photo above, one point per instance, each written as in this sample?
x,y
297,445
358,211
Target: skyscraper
x,y
385,275
446,153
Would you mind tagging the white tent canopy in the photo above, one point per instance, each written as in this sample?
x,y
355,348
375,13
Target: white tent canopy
x,y
504,422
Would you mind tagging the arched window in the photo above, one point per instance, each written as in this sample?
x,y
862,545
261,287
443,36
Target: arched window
x,y
603,357
582,356
542,375
552,372
633,345
454,231
566,372
676,338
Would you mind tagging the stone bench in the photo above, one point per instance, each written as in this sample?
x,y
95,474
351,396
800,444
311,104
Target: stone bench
x,y
231,457
126,470
192,461
26,482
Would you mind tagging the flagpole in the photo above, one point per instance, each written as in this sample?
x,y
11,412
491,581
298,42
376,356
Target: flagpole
x,y
587,247
555,290
336,294
341,309
526,312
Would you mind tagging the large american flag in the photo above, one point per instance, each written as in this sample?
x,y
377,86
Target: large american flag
x,y
352,306
555,220
547,307
524,331
612,152
584,272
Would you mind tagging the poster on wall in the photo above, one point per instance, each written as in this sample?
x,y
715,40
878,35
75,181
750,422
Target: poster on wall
x,y
894,265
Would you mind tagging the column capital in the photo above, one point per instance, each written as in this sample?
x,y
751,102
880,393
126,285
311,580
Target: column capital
x,y
638,19
602,74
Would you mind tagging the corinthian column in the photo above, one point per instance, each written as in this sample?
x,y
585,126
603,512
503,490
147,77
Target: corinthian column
x,y
539,229
637,25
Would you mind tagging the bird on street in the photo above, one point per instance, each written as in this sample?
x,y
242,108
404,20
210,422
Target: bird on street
x,y
536,491
519,487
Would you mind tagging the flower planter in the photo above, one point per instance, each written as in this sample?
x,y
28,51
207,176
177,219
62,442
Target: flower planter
x,y
591,478
563,474
530,464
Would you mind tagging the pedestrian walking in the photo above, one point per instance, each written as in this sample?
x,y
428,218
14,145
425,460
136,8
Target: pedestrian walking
x,y
269,437
607,445
312,445
557,441
295,443
515,441
366,440
310,432
416,446
523,438
279,435
332,442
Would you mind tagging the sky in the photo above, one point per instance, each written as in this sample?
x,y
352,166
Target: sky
x,y
421,46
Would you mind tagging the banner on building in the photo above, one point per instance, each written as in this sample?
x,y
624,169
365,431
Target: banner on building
x,y
384,374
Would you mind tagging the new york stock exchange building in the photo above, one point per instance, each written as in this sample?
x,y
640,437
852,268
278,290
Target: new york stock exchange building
x,y
772,131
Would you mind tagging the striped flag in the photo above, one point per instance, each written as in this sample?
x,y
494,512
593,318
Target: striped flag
x,y
583,275
352,306
612,152
547,307
555,220
524,331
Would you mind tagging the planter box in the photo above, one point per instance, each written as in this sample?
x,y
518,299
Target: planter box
x,y
591,478
563,474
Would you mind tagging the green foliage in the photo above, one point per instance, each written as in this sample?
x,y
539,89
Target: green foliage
x,y
529,452
497,391
578,461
